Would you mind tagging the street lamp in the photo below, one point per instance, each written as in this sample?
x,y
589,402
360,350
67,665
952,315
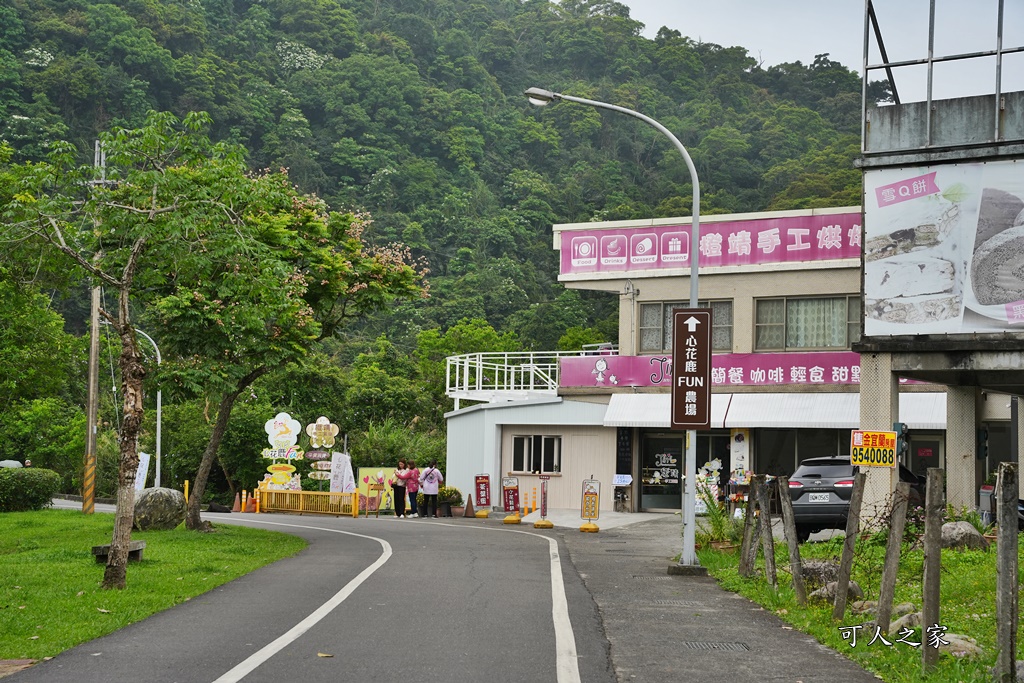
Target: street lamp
x,y
540,98
159,409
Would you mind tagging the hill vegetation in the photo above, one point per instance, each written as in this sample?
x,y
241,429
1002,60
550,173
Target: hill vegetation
x,y
410,112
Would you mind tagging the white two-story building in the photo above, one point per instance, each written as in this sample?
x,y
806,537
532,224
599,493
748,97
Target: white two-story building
x,y
784,289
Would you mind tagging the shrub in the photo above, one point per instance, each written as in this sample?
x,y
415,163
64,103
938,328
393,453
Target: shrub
x,y
27,488
449,494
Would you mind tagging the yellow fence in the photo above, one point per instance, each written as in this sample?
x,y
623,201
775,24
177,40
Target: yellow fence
x,y
310,501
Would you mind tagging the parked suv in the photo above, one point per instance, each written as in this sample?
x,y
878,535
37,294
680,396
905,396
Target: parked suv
x,y
821,489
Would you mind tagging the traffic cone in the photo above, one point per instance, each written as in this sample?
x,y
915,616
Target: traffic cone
x,y
469,507
238,503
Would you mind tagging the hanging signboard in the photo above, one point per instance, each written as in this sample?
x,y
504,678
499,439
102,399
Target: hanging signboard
x,y
691,369
873,449
591,508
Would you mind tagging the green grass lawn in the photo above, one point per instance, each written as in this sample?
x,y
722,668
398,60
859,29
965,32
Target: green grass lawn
x,y
50,595
968,588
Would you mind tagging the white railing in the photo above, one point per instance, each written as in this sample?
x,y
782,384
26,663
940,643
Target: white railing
x,y
509,376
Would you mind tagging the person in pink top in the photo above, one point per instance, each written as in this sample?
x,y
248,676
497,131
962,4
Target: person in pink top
x,y
413,487
430,481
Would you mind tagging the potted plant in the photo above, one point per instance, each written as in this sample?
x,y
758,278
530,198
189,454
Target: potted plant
x,y
720,530
447,498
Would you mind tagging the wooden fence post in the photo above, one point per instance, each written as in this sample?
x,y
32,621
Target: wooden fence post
x,y
751,527
934,502
767,540
846,563
897,521
1006,574
789,524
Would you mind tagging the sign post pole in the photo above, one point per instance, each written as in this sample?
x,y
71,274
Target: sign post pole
x,y
544,522
691,410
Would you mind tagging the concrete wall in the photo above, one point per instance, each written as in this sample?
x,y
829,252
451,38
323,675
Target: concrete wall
x,y
587,451
742,286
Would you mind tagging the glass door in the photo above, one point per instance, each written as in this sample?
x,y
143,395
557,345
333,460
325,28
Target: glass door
x,y
661,465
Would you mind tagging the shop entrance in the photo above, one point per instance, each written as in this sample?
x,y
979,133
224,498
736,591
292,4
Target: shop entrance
x,y
661,468
662,461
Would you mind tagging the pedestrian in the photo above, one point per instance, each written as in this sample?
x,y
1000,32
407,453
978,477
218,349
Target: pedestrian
x,y
398,482
413,487
430,480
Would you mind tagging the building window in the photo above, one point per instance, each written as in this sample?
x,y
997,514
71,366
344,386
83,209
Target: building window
x,y
536,453
806,323
656,325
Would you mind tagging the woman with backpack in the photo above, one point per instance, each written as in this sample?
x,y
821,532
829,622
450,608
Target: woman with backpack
x,y
430,481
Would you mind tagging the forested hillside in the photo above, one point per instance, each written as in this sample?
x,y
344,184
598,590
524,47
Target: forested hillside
x,y
412,111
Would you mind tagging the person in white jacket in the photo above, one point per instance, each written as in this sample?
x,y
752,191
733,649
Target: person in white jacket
x,y
430,480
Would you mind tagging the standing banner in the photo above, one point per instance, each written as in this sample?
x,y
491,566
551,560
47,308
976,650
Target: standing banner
x,y
591,499
342,478
483,490
510,493
142,472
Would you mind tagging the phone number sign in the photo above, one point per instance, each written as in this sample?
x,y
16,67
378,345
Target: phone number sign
x,y
873,449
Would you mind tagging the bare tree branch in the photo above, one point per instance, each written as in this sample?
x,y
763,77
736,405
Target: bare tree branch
x,y
78,258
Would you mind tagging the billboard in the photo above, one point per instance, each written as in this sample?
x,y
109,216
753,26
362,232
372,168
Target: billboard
x,y
944,249
755,241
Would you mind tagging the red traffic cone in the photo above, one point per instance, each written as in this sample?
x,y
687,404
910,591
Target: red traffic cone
x,y
238,503
470,512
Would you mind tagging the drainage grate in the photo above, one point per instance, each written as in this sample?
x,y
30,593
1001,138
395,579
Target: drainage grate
x,y
651,578
700,645
677,603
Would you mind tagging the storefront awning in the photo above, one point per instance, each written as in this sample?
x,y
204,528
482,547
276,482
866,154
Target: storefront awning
x,y
654,410
777,411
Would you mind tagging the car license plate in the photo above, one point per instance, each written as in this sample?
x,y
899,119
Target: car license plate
x,y
819,497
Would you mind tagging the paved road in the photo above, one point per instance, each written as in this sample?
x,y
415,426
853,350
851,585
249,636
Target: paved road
x,y
462,600
412,600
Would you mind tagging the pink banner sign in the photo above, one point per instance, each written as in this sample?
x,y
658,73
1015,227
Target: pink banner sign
x,y
905,190
786,239
1015,313
735,369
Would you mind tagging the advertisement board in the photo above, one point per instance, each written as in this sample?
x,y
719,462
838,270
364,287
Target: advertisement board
x,y
727,369
944,249
873,449
758,240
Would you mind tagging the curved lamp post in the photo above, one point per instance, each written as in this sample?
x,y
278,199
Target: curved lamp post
x,y
540,98
159,408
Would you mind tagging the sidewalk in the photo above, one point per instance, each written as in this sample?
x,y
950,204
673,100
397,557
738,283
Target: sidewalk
x,y
666,628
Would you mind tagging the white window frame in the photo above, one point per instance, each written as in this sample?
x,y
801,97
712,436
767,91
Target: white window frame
x,y
529,450
850,322
717,325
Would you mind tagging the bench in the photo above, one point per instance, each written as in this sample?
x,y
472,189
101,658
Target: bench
x,y
134,551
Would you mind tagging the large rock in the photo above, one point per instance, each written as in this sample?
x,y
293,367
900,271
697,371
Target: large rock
x,y
962,535
828,593
909,620
960,646
820,572
159,508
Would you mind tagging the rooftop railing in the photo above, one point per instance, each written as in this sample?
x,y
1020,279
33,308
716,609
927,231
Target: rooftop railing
x,y
509,376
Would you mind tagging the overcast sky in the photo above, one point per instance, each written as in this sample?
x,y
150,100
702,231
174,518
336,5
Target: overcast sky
x,y
777,31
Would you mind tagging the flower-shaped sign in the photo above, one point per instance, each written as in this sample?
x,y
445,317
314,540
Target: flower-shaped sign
x,y
282,431
322,433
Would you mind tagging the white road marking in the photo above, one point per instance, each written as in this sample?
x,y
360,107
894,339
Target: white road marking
x,y
259,657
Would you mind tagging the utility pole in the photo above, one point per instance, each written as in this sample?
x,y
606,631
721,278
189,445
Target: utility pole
x,y
89,478
89,474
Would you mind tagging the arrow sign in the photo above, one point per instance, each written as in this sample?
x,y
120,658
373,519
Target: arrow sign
x,y
691,369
